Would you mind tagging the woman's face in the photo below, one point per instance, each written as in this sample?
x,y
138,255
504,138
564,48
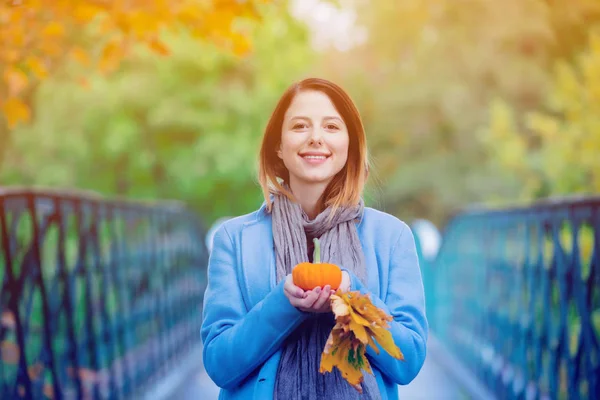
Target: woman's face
x,y
314,140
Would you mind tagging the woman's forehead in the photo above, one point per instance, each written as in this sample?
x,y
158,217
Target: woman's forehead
x,y
312,105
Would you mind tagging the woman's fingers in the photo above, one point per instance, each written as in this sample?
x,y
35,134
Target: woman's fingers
x,y
311,297
323,298
291,289
321,301
306,304
316,300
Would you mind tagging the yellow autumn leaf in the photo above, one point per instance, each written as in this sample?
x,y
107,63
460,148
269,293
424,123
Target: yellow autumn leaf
x,y
50,47
158,47
15,111
359,319
111,56
373,344
85,12
139,24
188,13
332,354
36,66
18,37
358,329
241,45
9,56
339,306
338,357
54,29
80,55
15,79
386,341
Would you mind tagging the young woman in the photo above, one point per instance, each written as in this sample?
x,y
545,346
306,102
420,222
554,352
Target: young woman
x,y
263,336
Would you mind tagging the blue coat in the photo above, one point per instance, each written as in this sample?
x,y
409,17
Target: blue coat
x,y
246,315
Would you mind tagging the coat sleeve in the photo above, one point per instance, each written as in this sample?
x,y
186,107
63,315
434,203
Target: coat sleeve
x,y
236,340
405,302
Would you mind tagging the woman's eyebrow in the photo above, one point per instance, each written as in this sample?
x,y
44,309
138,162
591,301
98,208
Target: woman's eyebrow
x,y
325,117
328,117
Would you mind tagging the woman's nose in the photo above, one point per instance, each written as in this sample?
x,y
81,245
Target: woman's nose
x,y
316,137
316,141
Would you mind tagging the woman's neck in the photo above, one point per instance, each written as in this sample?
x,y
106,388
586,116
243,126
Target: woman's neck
x,y
308,196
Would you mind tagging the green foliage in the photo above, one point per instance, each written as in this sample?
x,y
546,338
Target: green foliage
x,y
554,150
184,127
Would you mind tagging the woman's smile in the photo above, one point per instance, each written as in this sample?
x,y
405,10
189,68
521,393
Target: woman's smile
x,y
314,158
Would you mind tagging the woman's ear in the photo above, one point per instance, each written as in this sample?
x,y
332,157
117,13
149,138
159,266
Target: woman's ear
x,y
279,153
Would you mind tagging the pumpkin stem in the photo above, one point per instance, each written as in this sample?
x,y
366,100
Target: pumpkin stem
x,y
317,252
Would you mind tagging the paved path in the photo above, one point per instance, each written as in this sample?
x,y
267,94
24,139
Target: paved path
x,y
432,383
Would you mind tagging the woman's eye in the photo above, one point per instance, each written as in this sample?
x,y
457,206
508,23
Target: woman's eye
x,y
331,127
299,126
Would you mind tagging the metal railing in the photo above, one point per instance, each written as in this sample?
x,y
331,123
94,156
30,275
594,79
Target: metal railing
x,y
515,295
98,297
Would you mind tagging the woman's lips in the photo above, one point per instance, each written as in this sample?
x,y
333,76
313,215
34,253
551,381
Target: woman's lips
x,y
314,159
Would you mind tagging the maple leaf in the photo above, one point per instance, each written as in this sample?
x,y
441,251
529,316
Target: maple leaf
x,y
359,323
339,306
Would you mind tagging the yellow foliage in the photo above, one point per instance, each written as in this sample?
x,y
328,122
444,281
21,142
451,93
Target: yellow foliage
x,y
559,145
80,55
15,80
15,111
358,324
111,54
41,35
159,47
36,67
54,29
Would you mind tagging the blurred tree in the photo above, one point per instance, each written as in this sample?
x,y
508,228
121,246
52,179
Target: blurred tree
x,y
553,151
185,127
38,37
426,75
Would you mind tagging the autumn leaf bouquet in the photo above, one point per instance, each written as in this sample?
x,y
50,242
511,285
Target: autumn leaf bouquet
x,y
359,323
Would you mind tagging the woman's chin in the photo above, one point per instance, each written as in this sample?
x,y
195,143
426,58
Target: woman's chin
x,y
316,179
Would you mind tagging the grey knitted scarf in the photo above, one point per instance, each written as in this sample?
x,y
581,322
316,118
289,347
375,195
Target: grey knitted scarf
x,y
298,376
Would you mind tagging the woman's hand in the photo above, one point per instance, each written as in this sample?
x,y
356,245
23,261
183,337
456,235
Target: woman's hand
x,y
315,300
345,284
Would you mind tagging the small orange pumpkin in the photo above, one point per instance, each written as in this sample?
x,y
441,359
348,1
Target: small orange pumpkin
x,y
308,275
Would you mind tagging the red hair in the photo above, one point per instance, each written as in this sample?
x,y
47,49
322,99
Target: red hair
x,y
346,188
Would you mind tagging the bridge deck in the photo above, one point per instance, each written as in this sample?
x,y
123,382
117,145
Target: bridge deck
x,y
192,382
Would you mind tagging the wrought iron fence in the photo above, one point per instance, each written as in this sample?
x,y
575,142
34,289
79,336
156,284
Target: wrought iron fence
x,y
98,297
515,294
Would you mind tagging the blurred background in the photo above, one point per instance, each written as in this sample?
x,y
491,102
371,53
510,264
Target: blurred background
x,y
467,104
